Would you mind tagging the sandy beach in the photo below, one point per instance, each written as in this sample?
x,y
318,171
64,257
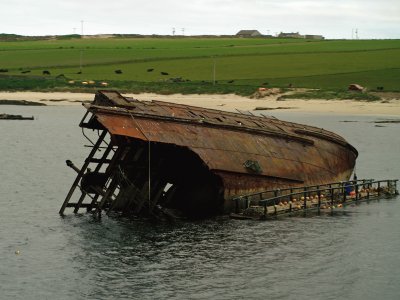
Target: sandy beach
x,y
227,102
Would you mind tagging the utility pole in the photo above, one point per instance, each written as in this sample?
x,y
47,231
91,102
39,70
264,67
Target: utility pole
x,y
81,52
81,61
354,33
173,31
183,31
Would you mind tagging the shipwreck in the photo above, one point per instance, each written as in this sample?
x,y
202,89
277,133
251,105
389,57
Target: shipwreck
x,y
153,156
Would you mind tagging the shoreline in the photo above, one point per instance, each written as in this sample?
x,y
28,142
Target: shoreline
x,y
228,102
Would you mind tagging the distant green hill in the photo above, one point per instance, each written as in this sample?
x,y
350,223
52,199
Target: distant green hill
x,y
178,64
16,37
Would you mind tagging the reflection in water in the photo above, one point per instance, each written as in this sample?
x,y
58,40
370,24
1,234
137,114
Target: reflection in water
x,y
205,258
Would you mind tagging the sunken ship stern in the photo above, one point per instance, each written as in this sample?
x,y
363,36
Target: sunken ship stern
x,y
162,156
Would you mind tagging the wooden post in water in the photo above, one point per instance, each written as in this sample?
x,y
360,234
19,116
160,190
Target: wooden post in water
x,y
356,189
319,200
276,193
379,188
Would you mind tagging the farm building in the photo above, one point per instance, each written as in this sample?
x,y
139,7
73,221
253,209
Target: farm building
x,y
291,35
248,33
314,37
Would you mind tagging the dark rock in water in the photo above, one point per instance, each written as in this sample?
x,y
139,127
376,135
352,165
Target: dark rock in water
x,y
394,121
272,108
20,102
14,117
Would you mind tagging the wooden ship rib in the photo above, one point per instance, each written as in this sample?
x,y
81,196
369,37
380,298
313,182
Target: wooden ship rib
x,y
158,156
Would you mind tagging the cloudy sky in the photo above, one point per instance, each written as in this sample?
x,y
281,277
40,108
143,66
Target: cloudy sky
x,y
331,18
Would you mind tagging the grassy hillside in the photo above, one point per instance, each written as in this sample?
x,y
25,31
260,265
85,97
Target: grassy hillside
x,y
241,65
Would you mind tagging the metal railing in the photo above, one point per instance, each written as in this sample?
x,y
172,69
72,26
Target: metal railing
x,y
329,194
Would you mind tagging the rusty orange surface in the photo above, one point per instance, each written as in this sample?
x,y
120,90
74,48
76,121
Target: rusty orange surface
x,y
288,153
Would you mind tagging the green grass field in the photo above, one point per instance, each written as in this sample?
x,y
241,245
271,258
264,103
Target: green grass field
x,y
241,65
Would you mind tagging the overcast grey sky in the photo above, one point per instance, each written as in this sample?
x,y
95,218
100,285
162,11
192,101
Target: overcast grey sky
x,y
331,18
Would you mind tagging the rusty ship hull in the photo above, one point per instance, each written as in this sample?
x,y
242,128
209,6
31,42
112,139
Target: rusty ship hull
x,y
195,160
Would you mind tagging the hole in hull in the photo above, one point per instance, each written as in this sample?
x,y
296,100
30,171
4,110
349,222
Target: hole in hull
x,y
176,179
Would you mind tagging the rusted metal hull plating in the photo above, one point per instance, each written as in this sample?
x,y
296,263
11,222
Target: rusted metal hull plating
x,y
195,160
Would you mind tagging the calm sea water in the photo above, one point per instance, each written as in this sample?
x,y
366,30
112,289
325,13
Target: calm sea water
x,y
352,255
